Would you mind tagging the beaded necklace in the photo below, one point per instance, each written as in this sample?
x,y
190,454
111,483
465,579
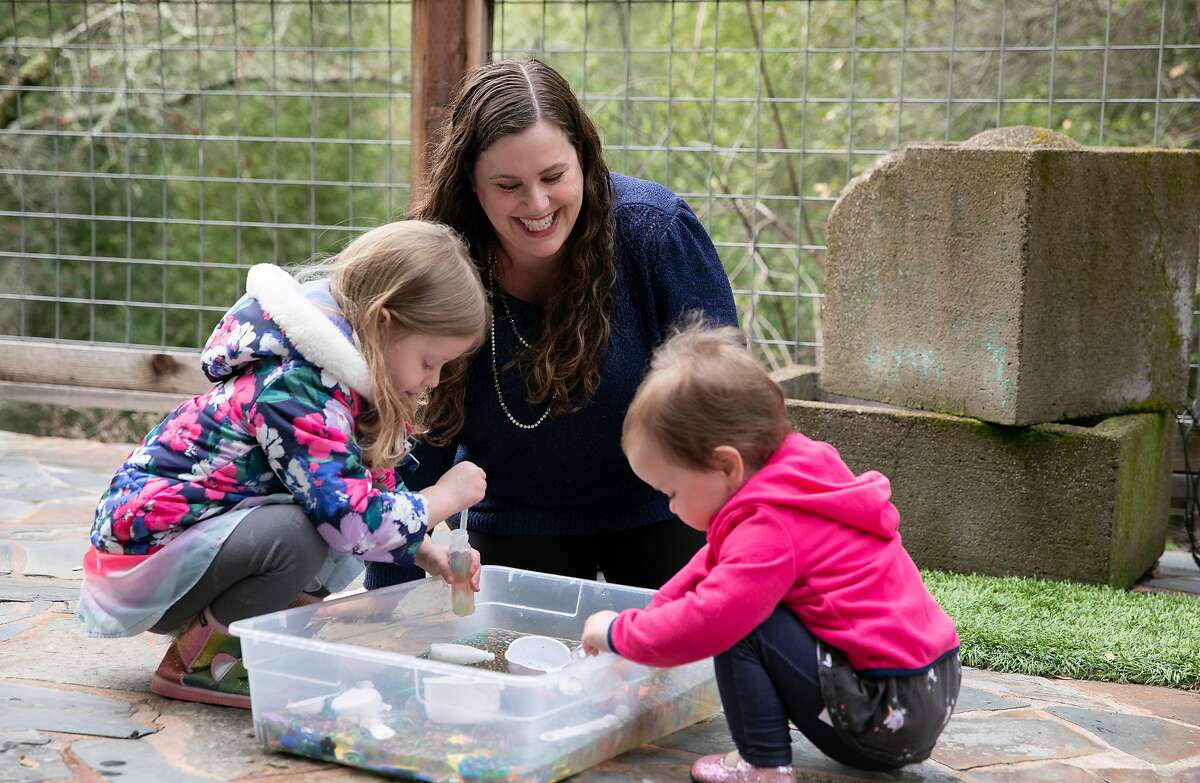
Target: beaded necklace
x,y
495,369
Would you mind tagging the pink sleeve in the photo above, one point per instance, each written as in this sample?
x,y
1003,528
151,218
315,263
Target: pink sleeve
x,y
754,571
685,579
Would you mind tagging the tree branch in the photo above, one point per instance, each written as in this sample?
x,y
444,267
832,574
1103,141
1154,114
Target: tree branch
x,y
38,68
35,71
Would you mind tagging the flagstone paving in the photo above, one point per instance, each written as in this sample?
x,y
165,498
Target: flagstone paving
x,y
73,708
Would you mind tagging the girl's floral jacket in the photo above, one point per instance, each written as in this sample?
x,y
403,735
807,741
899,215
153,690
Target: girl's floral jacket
x,y
277,426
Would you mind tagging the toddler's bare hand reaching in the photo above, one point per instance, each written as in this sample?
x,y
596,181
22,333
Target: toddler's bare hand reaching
x,y
595,632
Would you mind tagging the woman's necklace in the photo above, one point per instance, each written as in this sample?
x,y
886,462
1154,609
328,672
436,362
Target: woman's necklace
x,y
495,369
507,310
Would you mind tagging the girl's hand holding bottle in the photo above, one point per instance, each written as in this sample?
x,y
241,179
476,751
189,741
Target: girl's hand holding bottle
x,y
435,559
460,487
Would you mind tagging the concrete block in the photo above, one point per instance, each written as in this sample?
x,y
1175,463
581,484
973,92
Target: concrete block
x,y
1086,503
1015,284
803,382
800,382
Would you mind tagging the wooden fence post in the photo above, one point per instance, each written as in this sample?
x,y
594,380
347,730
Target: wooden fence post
x,y
449,38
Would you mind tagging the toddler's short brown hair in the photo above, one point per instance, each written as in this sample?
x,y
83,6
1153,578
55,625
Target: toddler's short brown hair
x,y
705,390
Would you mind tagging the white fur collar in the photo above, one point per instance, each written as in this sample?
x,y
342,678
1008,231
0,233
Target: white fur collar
x,y
309,329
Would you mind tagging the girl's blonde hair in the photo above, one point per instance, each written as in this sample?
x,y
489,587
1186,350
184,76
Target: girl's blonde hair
x,y
421,275
705,390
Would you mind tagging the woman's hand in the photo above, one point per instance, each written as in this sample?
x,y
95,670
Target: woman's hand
x,y
460,487
595,632
435,559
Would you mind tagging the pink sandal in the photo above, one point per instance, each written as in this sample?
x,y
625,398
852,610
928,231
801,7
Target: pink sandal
x,y
204,664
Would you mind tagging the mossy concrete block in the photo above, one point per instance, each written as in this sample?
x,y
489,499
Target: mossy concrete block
x,y
1018,284
1055,501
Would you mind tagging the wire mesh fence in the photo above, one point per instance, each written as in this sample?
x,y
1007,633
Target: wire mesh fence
x,y
154,150
150,151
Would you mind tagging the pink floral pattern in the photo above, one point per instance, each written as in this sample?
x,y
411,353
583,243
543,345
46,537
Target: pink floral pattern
x,y
274,424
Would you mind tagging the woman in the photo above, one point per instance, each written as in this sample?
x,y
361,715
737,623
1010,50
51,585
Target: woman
x,y
587,271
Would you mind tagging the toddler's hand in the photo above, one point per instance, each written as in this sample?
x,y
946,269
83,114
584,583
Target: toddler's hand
x,y
595,632
435,559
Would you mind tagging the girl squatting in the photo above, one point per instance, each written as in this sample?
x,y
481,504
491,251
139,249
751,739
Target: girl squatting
x,y
275,485
803,592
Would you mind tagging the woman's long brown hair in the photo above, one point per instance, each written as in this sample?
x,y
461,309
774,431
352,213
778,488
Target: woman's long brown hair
x,y
562,369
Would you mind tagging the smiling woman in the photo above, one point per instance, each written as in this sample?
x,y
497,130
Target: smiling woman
x,y
530,186
587,271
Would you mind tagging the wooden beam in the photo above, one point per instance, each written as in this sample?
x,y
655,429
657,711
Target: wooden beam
x,y
449,39
479,33
172,372
90,397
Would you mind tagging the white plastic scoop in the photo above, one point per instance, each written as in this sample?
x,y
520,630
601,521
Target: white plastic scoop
x,y
536,655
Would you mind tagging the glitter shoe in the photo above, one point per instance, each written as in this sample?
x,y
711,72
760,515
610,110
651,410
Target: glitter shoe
x,y
731,768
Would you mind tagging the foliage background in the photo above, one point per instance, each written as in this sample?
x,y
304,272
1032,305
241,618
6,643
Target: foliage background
x,y
159,148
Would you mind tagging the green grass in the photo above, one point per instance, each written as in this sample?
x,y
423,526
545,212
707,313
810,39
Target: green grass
x,y
1062,629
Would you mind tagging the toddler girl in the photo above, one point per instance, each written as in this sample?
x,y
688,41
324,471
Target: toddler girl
x,y
803,592
273,486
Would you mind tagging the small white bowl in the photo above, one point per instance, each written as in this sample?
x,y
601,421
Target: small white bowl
x,y
533,655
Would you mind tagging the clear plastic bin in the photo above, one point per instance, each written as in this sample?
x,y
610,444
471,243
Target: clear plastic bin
x,y
348,681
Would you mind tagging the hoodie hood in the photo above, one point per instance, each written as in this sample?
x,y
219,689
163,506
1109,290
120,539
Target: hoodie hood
x,y
279,318
810,478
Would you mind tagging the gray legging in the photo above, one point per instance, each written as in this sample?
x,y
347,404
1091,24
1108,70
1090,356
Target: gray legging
x,y
264,564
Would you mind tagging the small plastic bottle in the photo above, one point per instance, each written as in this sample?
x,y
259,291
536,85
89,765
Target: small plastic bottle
x,y
462,597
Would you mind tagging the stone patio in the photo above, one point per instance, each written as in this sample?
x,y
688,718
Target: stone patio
x,y
79,709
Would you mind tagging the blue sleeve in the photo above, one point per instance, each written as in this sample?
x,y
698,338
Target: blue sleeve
x,y
686,273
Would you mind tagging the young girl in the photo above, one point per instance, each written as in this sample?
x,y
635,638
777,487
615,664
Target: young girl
x,y
275,485
804,594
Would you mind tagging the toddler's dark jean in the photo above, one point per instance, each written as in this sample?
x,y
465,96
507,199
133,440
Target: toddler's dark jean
x,y
769,677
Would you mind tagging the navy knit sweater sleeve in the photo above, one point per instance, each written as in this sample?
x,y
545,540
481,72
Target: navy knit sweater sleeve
x,y
569,475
